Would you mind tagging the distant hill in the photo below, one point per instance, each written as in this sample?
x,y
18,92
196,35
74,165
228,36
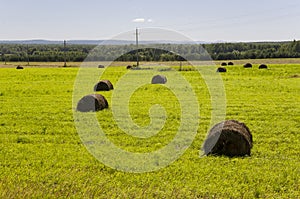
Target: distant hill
x,y
41,41
96,42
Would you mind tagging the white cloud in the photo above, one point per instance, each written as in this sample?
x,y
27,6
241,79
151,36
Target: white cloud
x,y
142,20
139,20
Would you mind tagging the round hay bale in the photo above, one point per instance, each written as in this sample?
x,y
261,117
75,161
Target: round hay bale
x,y
93,102
230,63
229,138
129,67
247,65
101,66
19,67
263,66
103,85
294,76
223,64
221,70
159,79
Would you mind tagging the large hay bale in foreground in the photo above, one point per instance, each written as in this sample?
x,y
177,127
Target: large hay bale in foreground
x,y
263,66
247,65
229,138
19,67
221,70
93,102
103,85
101,66
230,63
129,67
159,79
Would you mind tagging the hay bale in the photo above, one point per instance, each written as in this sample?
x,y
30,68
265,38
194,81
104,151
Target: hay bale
x,y
129,67
93,102
229,138
103,85
19,67
294,76
247,65
221,70
263,66
101,66
159,79
223,64
230,63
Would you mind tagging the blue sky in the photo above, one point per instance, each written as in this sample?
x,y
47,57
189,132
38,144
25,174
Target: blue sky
x,y
211,20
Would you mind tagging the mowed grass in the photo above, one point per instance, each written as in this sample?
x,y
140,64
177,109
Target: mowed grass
x,y
42,154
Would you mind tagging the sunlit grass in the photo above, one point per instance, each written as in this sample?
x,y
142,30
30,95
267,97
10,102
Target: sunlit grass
x,y
42,155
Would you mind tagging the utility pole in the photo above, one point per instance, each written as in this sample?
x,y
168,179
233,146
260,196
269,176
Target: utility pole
x,y
4,58
180,66
27,49
137,46
65,49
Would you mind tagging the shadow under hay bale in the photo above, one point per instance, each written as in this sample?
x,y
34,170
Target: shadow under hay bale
x,y
230,138
221,70
19,67
223,64
159,79
263,66
129,67
230,64
101,66
247,65
93,102
103,85
136,68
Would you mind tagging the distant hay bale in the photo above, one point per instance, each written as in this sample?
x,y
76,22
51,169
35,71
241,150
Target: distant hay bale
x,y
101,66
223,64
230,63
229,138
294,76
103,85
159,79
129,67
263,66
247,65
221,70
93,102
19,67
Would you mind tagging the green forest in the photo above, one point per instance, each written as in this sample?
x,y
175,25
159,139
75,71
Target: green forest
x,y
148,52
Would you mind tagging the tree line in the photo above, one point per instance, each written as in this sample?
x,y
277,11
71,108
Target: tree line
x,y
149,52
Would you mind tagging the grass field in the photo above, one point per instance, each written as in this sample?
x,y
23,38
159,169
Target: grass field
x,y
42,155
77,64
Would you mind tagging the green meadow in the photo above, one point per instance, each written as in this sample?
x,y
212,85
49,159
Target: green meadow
x,y
43,156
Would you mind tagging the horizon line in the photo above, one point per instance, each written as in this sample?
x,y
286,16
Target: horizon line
x,y
206,41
